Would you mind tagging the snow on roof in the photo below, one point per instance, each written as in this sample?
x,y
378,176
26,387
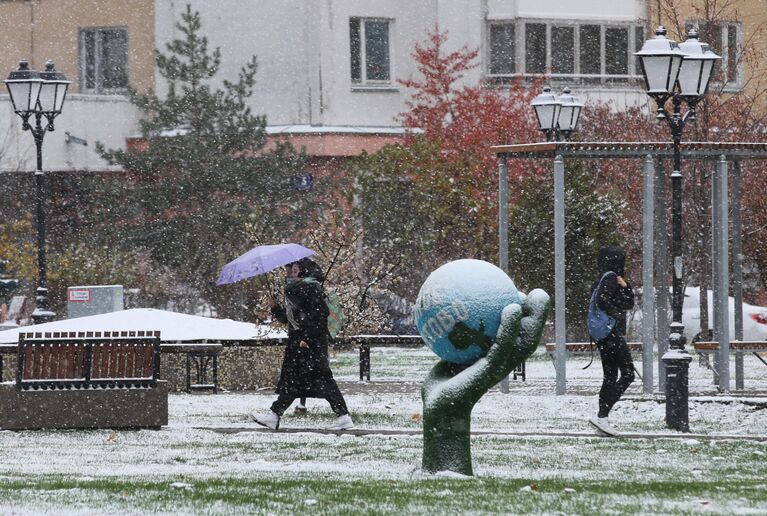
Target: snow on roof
x,y
338,129
314,129
173,326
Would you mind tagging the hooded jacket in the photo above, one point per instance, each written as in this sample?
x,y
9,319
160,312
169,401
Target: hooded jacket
x,y
611,297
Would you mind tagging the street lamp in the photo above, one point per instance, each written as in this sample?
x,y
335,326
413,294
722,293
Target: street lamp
x,y
40,94
680,73
557,115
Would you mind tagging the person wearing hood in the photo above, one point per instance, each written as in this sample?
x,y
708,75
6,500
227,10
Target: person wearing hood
x,y
614,295
305,371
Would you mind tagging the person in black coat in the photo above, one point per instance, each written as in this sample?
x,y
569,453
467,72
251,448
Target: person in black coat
x,y
614,296
305,369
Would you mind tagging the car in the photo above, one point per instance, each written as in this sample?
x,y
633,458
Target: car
x,y
754,317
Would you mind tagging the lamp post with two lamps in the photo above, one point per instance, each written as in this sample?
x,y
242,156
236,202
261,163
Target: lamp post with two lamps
x,y
38,94
557,115
680,73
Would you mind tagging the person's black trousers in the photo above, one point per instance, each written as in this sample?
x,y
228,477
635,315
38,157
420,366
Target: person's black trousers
x,y
616,358
334,397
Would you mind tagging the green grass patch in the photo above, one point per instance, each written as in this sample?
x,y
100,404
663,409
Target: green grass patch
x,y
304,494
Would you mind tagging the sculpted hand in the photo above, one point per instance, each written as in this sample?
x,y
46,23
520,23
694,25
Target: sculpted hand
x,y
450,391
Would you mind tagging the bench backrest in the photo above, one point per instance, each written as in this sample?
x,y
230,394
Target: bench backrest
x,y
81,360
744,346
585,347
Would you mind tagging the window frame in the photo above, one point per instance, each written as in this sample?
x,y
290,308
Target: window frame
x,y
364,82
633,77
99,89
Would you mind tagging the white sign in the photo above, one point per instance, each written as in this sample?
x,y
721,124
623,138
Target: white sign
x,y
81,295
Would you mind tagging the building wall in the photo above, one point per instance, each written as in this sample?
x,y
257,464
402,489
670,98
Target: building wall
x,y
39,30
752,16
303,51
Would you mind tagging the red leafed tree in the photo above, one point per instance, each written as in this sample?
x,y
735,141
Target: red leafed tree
x,y
465,120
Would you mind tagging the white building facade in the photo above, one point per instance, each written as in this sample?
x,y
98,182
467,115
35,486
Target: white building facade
x,y
332,66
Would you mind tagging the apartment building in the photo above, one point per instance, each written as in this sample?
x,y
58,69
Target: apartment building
x,y
328,70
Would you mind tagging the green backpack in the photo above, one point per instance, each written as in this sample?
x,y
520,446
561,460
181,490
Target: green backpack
x,y
336,317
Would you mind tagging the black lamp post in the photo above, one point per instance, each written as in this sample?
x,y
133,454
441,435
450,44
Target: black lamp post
x,y
680,73
557,115
40,94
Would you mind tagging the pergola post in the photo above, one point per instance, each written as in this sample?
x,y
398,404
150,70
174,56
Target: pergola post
x,y
648,292
737,269
723,274
661,273
560,325
503,231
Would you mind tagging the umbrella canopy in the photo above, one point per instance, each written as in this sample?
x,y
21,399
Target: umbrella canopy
x,y
261,260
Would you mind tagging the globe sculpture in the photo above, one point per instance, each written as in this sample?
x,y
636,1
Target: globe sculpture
x,y
458,309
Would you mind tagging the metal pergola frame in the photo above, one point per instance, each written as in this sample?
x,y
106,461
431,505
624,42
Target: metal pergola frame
x,y
654,239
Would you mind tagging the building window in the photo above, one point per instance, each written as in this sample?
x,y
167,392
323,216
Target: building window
x,y
103,60
585,52
725,39
535,47
370,51
562,49
502,58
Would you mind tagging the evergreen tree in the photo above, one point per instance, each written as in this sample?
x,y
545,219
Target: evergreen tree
x,y
201,174
591,221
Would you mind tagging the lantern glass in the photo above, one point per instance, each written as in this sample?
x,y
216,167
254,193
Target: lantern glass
x,y
661,72
24,94
52,96
569,112
547,116
690,77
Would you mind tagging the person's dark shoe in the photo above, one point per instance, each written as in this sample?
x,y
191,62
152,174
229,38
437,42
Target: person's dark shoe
x,y
300,410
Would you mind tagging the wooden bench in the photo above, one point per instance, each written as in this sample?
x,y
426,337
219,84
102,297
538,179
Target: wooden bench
x,y
203,357
382,341
86,380
704,349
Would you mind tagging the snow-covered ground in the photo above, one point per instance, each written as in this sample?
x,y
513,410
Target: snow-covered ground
x,y
80,471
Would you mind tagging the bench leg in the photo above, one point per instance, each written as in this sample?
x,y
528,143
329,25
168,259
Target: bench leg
x,y
364,362
188,372
215,373
520,371
738,371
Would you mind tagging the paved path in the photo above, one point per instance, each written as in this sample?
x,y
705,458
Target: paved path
x,y
589,435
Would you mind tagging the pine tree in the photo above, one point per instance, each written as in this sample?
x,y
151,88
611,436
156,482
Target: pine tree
x,y
201,172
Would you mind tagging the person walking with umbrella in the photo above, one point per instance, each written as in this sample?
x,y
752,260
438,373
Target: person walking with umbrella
x,y
305,371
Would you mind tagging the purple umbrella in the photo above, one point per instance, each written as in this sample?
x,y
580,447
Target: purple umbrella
x,y
261,260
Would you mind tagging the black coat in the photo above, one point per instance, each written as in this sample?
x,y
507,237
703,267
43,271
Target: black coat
x,y
611,297
305,371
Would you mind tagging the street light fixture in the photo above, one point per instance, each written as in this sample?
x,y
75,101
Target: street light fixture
x,y
557,115
680,73
40,94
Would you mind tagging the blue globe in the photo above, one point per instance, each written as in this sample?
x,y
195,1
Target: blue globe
x,y
458,309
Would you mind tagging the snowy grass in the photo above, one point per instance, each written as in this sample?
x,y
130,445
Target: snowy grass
x,y
188,468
